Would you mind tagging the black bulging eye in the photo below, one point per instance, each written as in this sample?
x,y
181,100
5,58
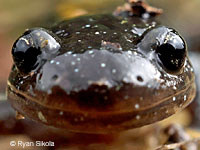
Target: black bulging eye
x,y
32,48
25,54
172,51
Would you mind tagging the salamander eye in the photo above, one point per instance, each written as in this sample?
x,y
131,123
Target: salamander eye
x,y
32,47
25,54
172,51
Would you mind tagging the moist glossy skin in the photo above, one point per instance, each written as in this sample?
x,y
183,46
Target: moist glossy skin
x,y
99,74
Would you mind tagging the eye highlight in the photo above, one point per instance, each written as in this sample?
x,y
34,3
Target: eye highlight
x,y
33,47
172,51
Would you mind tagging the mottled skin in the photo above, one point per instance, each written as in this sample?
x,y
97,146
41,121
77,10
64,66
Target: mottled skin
x,y
103,75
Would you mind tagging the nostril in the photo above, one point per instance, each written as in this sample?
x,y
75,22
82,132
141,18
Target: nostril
x,y
55,77
140,79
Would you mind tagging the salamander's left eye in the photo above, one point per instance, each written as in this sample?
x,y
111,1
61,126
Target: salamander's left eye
x,y
171,50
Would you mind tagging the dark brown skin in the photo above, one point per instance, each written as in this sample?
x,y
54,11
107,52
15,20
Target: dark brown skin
x,y
104,74
63,139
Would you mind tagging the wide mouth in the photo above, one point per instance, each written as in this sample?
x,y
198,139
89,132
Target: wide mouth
x,y
103,122
178,99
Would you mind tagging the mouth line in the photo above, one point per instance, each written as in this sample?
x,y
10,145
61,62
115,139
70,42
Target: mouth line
x,y
21,94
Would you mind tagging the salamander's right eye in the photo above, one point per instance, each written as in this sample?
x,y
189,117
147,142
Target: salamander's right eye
x,y
27,51
25,54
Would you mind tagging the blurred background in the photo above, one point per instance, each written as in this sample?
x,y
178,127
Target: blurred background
x,y
18,15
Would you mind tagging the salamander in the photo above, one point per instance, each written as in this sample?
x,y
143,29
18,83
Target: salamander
x,y
101,73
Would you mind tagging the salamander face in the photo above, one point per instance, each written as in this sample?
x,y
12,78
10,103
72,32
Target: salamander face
x,y
100,74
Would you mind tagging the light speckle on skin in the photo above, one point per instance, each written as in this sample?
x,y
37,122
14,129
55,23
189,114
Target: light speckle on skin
x,y
66,34
38,33
186,69
135,53
76,89
129,52
70,52
114,71
76,70
137,106
59,32
185,97
91,19
52,61
73,63
125,79
41,117
103,65
117,88
87,25
61,113
149,86
174,98
145,15
97,33
91,52
124,21
49,91
138,117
